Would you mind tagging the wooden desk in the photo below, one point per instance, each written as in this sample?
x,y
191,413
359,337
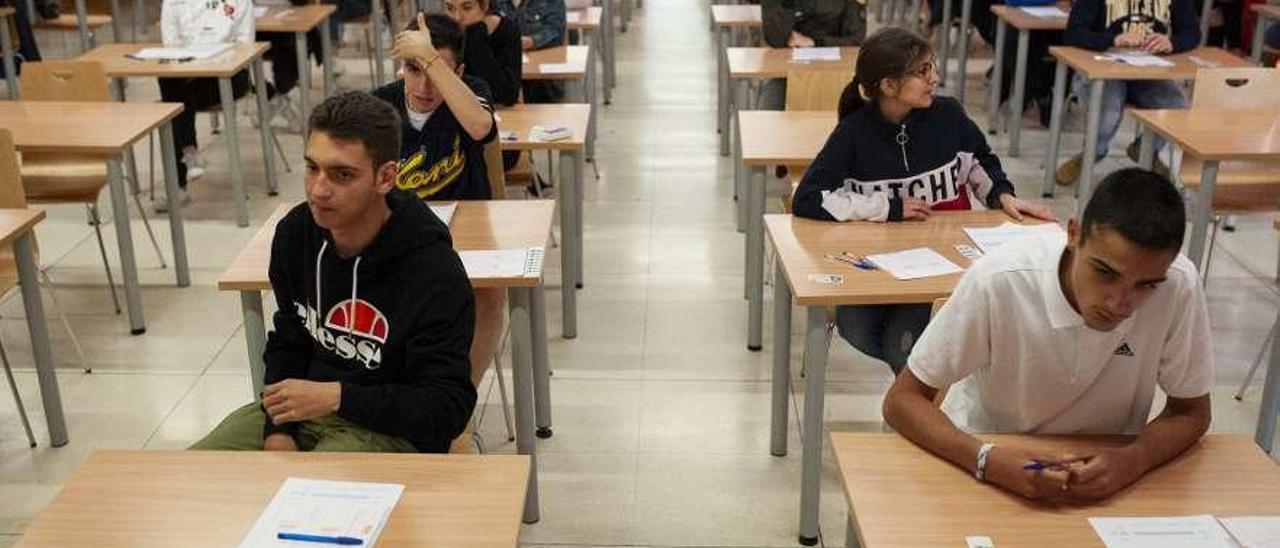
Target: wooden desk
x,y
299,20
728,22
222,66
568,63
212,498
17,230
476,225
7,53
1266,12
588,22
108,130
743,65
800,245
1009,16
1097,72
736,16
765,138
519,119
884,474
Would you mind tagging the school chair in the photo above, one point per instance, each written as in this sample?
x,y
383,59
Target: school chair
x,y
1266,343
1241,186
810,90
55,178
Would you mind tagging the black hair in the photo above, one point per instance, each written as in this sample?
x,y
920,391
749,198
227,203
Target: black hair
x,y
1143,206
359,116
445,33
888,54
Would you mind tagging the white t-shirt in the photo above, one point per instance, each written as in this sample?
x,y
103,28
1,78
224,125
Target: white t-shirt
x,y
417,119
1020,359
196,22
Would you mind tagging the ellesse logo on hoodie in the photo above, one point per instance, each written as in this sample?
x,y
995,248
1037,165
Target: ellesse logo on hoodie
x,y
353,329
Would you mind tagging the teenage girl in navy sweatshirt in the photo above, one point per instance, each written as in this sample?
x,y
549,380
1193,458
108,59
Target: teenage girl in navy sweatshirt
x,y
897,154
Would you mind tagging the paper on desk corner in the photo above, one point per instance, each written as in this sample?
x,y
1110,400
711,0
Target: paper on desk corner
x,y
1254,531
1137,58
573,16
503,263
323,507
1162,532
194,51
911,264
815,54
444,211
1045,12
259,11
989,238
555,68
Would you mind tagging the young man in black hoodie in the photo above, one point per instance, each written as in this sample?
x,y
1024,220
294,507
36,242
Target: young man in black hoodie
x,y
375,319
1156,26
447,117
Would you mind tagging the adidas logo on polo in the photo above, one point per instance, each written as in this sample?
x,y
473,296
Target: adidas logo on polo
x,y
1124,350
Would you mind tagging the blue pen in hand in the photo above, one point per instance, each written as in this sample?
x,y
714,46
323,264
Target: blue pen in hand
x,y
1038,465
321,539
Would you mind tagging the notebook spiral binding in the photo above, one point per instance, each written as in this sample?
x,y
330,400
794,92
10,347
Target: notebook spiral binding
x,y
533,261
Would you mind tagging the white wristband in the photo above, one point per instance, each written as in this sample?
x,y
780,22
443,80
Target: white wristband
x,y
983,451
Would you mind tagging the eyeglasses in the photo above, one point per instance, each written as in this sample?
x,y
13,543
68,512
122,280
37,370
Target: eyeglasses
x,y
923,70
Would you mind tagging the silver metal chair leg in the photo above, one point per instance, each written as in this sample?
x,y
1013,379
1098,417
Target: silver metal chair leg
x,y
215,122
502,393
137,200
102,249
66,324
283,157
1253,369
1208,254
13,387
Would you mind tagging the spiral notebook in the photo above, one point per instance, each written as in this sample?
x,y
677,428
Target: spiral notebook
x,y
503,263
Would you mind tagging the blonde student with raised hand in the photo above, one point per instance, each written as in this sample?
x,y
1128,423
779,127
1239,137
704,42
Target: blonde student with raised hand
x,y
899,153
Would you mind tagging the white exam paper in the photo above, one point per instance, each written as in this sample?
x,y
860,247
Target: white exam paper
x,y
1046,12
1254,531
1164,532
444,211
989,238
1137,59
572,16
328,508
502,263
259,11
555,68
911,264
815,54
195,51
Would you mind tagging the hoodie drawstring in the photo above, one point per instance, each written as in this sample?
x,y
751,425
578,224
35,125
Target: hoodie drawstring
x,y
324,244
901,139
351,307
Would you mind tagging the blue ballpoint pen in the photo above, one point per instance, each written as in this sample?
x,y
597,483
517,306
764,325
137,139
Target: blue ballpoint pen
x,y
322,539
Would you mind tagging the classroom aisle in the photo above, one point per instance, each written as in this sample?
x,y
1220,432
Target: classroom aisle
x,y
660,412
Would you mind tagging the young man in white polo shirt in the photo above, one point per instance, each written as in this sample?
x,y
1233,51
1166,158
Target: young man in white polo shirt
x,y
1069,335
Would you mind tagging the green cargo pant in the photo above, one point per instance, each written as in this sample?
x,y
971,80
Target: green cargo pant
x,y
242,431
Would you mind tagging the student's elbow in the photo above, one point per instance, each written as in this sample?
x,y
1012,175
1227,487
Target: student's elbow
x,y
907,393
480,129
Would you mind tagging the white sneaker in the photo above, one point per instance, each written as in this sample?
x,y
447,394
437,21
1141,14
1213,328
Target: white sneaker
x,y
195,166
162,200
285,117
339,68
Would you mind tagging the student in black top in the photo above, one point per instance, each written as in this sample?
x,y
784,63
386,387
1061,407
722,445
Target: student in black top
x,y
446,120
492,47
898,153
807,24
375,313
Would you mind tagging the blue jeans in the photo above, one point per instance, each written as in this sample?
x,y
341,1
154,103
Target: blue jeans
x,y
884,332
1272,38
1139,93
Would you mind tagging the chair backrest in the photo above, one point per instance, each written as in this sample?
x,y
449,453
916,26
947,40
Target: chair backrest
x,y
64,81
816,89
497,176
12,195
1241,88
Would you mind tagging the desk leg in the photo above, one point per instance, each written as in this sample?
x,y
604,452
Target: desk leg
x,y
29,282
568,248
966,12
82,22
1259,28
739,170
610,53
177,232
264,114
255,337
541,369
755,259
1265,436
575,158
522,379
117,24
326,51
1019,94
1204,208
1084,187
6,51
304,85
139,22
946,43
626,15
726,92
375,22
1147,148
130,162
124,239
993,97
1055,128
1205,9
233,144
781,381
850,536
589,93
815,366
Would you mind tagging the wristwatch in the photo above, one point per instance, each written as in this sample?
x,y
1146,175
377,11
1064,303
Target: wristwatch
x,y
983,451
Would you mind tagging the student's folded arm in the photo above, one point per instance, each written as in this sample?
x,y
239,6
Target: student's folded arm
x,y
1080,33
823,194
997,183
289,347
778,22
499,69
473,113
436,400
1185,34
551,28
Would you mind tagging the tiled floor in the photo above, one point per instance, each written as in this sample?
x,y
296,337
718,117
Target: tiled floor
x,y
661,414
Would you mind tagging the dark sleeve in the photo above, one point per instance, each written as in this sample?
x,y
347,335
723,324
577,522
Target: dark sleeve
x,y
435,400
976,141
494,67
1084,29
828,171
853,27
779,20
1185,34
289,347
551,27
